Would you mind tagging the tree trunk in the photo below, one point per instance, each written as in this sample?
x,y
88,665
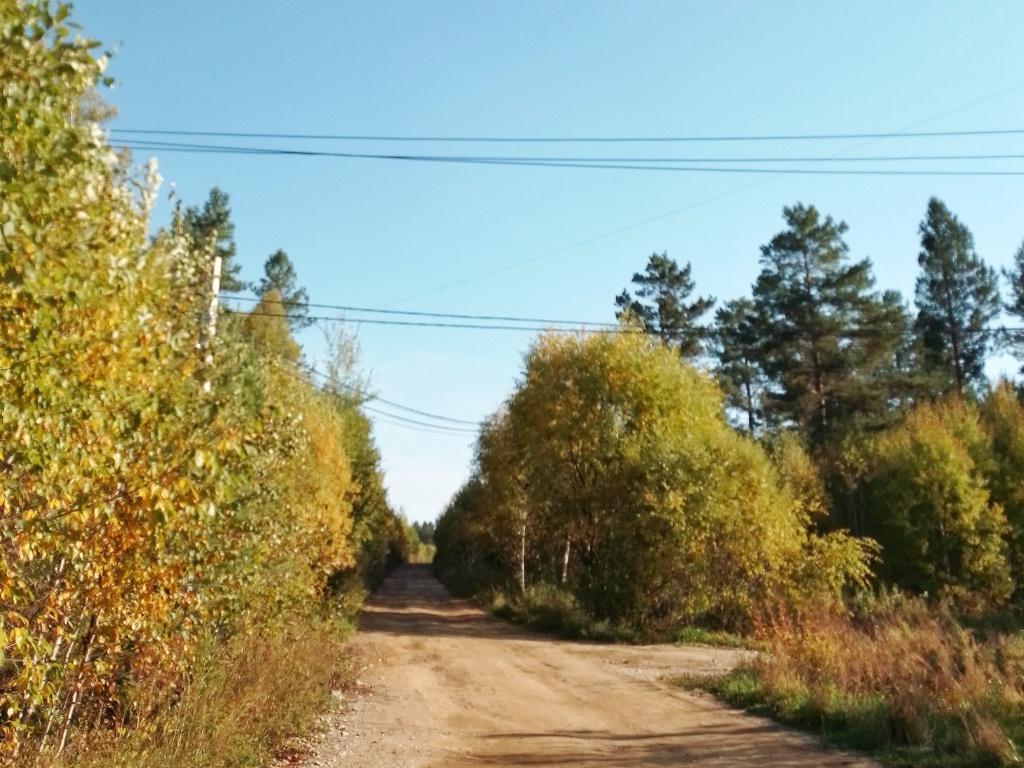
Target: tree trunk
x,y
565,561
522,557
76,697
954,336
957,366
54,709
751,422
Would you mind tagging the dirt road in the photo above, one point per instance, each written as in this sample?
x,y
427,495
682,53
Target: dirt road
x,y
445,686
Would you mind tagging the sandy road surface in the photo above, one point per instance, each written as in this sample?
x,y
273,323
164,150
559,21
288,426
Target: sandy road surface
x,y
445,686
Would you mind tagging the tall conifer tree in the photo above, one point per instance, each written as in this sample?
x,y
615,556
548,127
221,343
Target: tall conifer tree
x,y
737,339
663,305
214,220
957,297
1015,306
825,346
279,275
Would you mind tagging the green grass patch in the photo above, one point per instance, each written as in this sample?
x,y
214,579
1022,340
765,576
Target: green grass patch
x,y
550,610
694,635
866,724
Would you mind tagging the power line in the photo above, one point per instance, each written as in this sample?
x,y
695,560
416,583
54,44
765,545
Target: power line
x,y
602,326
450,315
456,430
909,131
566,159
853,333
569,139
425,430
428,414
906,130
430,324
554,163
355,390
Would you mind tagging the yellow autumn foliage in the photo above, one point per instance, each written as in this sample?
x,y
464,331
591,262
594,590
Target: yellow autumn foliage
x,y
161,487
611,471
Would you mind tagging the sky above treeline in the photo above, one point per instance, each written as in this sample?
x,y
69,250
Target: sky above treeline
x,y
416,236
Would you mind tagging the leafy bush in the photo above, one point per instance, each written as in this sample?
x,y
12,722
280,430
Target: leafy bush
x,y
551,609
1002,416
927,502
612,472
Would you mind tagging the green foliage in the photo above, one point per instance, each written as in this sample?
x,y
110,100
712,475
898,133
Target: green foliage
x,y
957,297
211,227
799,475
738,339
424,532
469,557
1002,416
927,503
663,304
280,278
638,497
416,550
267,326
1015,306
377,532
694,635
553,610
827,343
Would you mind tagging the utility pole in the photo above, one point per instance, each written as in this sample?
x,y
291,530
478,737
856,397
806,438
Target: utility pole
x,y
211,320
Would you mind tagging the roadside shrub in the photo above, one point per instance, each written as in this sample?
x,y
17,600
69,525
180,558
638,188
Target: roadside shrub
x,y
551,609
238,707
927,502
1002,416
899,677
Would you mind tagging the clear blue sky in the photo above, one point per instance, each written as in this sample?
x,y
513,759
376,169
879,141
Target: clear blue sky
x,y
370,233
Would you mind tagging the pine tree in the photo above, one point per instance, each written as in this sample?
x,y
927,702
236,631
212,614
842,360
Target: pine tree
x,y
885,362
825,348
737,338
279,275
214,220
1015,306
663,306
957,296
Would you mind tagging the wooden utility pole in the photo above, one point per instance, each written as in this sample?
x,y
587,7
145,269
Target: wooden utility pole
x,y
211,320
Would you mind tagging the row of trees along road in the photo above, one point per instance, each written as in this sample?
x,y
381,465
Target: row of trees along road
x,y
873,440
144,516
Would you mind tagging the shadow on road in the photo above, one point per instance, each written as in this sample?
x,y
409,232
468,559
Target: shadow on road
x,y
708,745
412,602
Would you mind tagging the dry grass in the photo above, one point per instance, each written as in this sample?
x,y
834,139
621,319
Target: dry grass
x,y
240,707
904,681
